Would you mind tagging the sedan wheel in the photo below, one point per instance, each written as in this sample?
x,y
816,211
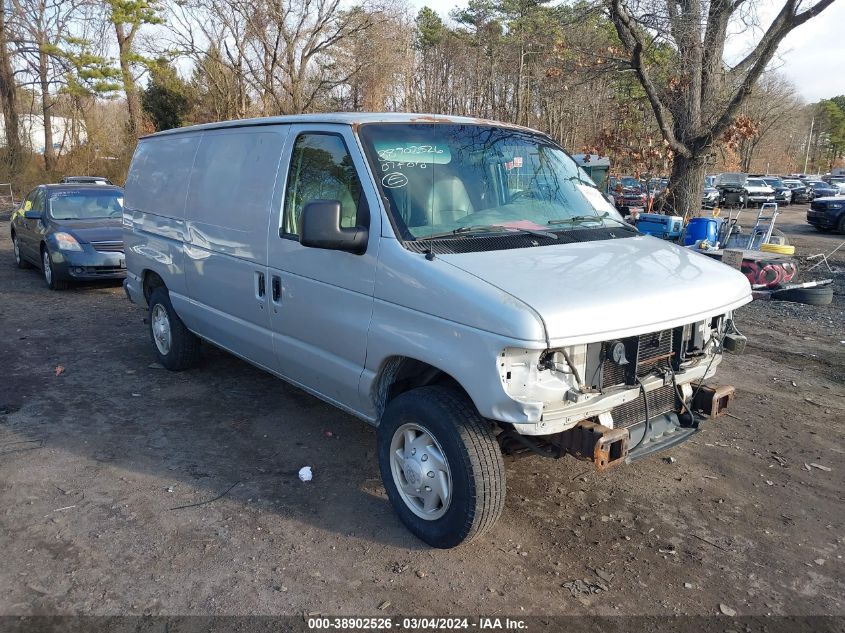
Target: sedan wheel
x,y
52,281
20,262
48,267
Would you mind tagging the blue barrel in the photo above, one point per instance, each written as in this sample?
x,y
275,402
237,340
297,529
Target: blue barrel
x,y
702,229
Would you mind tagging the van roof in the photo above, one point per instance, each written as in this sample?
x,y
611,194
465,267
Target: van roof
x,y
353,119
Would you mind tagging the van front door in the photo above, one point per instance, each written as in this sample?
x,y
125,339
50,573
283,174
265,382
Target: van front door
x,y
321,300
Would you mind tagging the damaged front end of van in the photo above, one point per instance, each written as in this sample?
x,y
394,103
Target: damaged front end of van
x,y
621,399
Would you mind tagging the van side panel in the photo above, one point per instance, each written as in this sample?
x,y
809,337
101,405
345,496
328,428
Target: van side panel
x,y
227,214
154,209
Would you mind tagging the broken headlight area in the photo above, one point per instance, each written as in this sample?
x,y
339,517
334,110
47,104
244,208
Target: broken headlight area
x,y
576,372
619,399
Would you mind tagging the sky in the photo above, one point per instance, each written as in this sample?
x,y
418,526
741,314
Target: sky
x,y
812,57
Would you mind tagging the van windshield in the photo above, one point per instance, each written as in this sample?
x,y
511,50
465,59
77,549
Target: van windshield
x,y
442,178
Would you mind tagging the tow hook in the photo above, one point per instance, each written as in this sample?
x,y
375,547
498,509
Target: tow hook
x,y
593,442
713,399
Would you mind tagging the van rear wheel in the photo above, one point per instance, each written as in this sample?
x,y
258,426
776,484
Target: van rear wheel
x,y
175,345
441,466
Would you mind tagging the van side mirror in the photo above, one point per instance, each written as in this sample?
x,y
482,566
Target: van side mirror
x,y
32,214
321,229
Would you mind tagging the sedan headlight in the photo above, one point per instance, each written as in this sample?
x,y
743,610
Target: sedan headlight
x,y
66,242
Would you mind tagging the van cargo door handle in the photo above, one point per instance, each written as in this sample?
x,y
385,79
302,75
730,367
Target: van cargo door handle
x,y
260,285
277,288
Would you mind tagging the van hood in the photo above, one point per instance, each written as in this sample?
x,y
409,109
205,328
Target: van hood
x,y
592,291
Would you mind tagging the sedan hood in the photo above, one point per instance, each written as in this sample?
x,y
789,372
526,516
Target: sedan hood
x,y
592,291
106,230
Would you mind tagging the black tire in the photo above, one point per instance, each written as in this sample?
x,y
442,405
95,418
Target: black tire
x,y
183,351
473,455
841,227
53,281
817,296
20,262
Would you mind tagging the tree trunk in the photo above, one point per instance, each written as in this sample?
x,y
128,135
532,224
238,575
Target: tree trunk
x,y
686,183
9,98
49,152
133,99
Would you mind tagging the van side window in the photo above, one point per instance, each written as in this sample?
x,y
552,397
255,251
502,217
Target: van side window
x,y
321,168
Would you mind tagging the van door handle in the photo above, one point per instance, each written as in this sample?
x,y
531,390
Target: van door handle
x,y
277,288
260,288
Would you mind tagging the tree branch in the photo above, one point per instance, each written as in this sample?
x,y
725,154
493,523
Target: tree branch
x,y
629,35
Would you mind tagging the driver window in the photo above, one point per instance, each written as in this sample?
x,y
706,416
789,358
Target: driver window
x,y
321,168
38,201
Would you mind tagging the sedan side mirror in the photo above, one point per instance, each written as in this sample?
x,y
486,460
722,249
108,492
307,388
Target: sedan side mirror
x,y
32,214
321,229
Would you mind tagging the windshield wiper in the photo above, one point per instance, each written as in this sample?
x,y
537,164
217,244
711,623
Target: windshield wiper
x,y
487,228
581,219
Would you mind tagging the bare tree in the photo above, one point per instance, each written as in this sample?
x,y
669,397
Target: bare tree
x,y
767,107
677,50
8,95
41,28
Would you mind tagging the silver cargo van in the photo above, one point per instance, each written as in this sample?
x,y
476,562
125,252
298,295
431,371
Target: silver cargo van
x,y
455,282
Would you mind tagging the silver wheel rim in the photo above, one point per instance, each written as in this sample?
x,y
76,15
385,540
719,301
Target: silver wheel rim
x,y
161,329
48,269
16,249
420,471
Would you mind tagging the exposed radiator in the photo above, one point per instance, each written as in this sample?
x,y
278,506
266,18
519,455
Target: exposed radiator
x,y
654,351
661,400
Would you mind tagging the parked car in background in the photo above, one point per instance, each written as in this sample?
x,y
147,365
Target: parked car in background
x,y
72,232
827,214
710,198
758,191
400,270
87,180
821,189
838,181
629,193
783,194
801,193
730,179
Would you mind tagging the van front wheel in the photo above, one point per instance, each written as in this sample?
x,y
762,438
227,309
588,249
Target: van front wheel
x,y
441,466
175,345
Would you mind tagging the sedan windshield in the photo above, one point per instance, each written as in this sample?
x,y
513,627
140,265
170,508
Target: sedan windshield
x,y
85,204
443,179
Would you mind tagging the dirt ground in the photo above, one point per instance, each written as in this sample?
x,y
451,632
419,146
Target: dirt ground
x,y
96,462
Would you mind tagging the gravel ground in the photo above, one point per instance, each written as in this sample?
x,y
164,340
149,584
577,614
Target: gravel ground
x,y
101,449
